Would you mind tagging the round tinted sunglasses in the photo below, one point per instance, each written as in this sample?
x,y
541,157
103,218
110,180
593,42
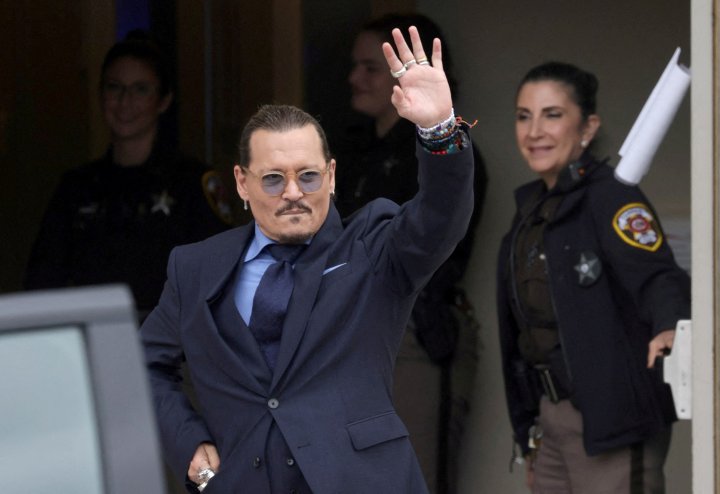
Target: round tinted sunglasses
x,y
273,183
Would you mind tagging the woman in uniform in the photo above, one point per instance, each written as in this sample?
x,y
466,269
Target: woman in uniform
x,y
114,220
589,295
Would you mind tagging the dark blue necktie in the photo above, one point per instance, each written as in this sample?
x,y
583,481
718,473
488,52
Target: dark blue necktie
x,y
271,300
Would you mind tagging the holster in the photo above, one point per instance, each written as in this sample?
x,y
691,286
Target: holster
x,y
528,385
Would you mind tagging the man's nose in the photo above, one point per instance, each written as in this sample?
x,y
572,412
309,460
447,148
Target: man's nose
x,y
292,192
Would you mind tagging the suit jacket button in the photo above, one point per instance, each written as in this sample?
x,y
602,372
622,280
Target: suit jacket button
x,y
290,462
256,462
273,403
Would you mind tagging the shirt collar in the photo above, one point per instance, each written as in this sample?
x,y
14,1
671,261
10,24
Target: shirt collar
x,y
574,173
259,241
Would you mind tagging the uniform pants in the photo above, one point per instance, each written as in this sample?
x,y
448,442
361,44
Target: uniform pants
x,y
417,401
563,467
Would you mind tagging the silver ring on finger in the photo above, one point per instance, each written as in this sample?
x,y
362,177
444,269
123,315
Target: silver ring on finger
x,y
423,61
397,74
409,63
204,477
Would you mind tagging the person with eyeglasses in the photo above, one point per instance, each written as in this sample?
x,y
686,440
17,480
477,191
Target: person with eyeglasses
x,y
116,219
290,325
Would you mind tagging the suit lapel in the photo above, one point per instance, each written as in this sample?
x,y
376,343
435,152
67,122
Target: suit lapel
x,y
308,276
229,336
243,350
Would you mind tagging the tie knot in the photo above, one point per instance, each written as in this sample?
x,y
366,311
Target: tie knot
x,y
286,252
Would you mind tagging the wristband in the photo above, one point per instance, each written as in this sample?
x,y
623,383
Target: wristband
x,y
440,131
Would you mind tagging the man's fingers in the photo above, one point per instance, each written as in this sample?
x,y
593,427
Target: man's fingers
x,y
417,47
392,60
206,456
403,50
212,456
437,54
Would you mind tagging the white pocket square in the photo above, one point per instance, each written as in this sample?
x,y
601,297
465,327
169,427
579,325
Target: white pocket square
x,y
333,268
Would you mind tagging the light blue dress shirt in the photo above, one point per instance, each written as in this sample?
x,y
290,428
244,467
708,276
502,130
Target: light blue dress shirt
x,y
255,263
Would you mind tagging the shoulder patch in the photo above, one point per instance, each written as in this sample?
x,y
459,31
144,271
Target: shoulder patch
x,y
637,227
217,196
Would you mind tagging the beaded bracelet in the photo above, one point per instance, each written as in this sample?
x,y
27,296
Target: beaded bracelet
x,y
439,131
454,143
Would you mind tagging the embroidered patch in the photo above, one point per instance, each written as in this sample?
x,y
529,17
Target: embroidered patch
x,y
636,226
217,196
588,268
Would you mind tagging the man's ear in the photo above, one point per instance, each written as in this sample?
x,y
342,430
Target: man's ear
x,y
331,173
241,182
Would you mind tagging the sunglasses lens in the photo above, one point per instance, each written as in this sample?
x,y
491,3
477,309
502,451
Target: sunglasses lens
x,y
310,181
273,183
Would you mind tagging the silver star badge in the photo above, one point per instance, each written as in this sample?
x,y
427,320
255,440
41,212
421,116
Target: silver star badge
x,y
162,202
588,269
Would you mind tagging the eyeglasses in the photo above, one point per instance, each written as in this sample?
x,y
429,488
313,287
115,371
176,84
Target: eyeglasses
x,y
274,183
138,90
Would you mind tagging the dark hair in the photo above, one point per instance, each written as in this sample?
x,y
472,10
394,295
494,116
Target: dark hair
x,y
383,26
138,44
278,118
583,84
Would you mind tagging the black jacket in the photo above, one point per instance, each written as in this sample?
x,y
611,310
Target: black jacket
x,y
606,315
112,224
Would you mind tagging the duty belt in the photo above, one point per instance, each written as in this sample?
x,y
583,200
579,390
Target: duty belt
x,y
552,388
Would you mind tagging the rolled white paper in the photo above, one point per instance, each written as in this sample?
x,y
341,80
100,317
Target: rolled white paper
x,y
652,123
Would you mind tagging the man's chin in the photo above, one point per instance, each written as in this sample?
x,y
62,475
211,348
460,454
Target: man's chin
x,y
295,237
295,234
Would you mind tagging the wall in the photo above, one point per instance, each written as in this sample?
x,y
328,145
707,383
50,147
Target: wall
x,y
627,45
48,111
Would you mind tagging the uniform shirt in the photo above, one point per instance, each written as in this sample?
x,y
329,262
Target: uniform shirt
x,y
530,283
108,223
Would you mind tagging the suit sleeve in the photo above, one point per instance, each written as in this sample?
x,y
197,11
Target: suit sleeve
x,y
182,429
640,259
436,327
423,234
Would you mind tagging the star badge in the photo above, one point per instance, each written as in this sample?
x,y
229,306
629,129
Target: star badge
x,y
589,268
162,202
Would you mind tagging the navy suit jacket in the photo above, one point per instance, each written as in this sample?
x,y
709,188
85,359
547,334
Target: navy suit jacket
x,y
330,393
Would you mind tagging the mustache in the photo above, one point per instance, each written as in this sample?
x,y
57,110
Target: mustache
x,y
293,205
